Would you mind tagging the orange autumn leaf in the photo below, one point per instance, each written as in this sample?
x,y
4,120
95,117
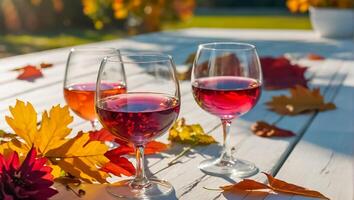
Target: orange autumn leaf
x,y
284,187
313,56
245,185
29,73
44,65
263,129
274,184
301,100
151,147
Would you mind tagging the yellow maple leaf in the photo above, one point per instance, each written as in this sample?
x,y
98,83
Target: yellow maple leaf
x,y
190,134
81,158
78,156
23,122
54,129
301,100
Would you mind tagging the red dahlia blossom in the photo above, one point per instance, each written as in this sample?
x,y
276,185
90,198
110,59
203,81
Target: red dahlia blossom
x,y
30,181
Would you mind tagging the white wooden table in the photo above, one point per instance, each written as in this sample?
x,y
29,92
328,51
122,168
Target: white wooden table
x,y
319,157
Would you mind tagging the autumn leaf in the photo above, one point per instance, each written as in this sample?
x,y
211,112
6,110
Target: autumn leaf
x,y
189,134
313,56
80,158
245,185
151,147
280,73
274,184
119,166
77,156
30,73
44,65
282,186
263,129
101,135
301,100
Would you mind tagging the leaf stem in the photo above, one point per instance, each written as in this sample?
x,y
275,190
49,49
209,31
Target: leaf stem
x,y
212,189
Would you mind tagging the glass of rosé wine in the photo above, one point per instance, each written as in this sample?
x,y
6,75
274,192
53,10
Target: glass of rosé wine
x,y
226,82
80,81
149,107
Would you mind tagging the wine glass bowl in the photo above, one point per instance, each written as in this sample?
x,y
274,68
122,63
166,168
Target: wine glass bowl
x,y
226,82
79,87
149,107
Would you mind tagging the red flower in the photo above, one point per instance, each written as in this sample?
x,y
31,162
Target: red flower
x,y
30,181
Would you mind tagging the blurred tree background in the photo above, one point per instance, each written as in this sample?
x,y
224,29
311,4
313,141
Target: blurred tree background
x,y
34,25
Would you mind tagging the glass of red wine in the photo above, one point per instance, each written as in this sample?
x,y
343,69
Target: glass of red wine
x,y
80,81
149,107
226,82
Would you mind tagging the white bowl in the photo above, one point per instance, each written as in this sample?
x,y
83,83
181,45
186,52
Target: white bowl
x,y
333,22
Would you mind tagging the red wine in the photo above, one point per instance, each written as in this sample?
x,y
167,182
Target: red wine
x,y
138,117
226,96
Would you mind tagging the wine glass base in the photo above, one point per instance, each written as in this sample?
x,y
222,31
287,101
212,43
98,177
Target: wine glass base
x,y
156,188
238,168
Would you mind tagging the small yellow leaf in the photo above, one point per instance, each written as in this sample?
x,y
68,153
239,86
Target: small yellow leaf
x,y
301,100
190,134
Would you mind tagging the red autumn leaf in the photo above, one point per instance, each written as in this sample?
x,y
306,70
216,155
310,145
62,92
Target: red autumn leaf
x,y
313,56
284,187
263,129
279,73
44,65
245,185
151,147
275,185
101,135
119,166
29,73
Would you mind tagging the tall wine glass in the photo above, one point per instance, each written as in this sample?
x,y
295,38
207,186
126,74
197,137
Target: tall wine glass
x,y
80,81
147,110
226,82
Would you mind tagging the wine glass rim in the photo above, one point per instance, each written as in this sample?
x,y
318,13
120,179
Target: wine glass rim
x,y
92,49
238,46
160,57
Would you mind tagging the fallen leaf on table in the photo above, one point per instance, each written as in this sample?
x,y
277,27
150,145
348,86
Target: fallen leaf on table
x,y
101,135
189,134
29,73
284,187
280,73
301,100
245,185
263,129
77,156
44,65
274,184
312,56
119,166
151,147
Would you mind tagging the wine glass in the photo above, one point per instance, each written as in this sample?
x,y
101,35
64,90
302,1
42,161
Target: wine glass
x,y
226,82
80,81
149,107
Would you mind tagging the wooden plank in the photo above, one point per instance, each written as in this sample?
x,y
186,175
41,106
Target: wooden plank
x,y
324,158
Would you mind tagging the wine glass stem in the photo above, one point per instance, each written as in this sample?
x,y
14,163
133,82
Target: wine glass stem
x,y
140,181
94,124
226,149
